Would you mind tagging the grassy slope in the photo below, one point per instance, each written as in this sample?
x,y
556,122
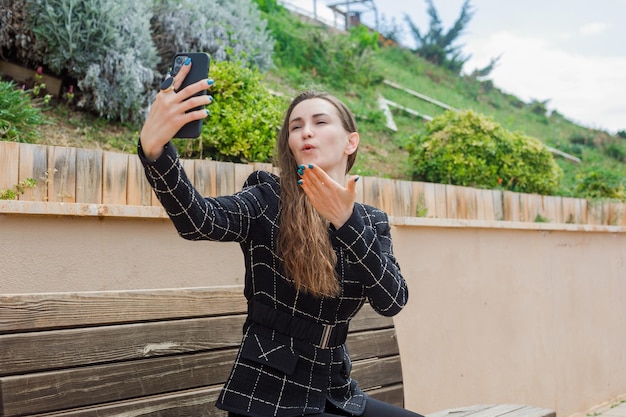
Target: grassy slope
x,y
381,152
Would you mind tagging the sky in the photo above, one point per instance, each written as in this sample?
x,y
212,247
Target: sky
x,y
569,52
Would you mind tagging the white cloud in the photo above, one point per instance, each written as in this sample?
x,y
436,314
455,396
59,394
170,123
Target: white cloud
x,y
594,28
588,90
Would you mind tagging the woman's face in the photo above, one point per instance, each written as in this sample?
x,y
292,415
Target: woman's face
x,y
317,136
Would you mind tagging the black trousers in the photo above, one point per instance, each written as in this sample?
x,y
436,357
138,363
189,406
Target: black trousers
x,y
374,408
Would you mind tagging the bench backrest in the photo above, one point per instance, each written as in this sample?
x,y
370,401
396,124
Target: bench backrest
x,y
149,352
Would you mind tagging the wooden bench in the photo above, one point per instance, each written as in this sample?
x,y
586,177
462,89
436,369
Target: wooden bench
x,y
495,410
153,352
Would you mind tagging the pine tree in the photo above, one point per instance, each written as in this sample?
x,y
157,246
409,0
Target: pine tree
x,y
436,45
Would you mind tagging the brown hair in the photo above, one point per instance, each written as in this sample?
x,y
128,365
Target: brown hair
x,y
303,240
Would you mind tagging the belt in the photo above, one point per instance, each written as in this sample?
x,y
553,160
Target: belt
x,y
320,335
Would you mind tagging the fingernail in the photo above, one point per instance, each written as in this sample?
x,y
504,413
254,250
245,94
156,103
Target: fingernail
x,y
301,166
210,99
187,61
207,112
311,166
210,82
300,172
356,179
299,182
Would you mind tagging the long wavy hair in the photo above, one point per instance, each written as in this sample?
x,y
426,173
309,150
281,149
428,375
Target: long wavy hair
x,y
303,239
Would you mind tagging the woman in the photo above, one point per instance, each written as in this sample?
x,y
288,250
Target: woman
x,y
313,255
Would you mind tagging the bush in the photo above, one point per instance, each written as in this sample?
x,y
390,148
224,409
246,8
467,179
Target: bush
x,y
599,182
106,45
473,150
244,117
230,30
18,118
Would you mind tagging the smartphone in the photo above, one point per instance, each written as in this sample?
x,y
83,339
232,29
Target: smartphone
x,y
199,70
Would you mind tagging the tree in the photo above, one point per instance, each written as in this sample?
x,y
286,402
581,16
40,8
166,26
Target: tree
x,y
437,45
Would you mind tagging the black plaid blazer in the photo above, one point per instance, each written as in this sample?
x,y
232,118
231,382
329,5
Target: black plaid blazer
x,y
284,367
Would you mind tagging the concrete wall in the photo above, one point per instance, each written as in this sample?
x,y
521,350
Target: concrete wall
x,y
499,312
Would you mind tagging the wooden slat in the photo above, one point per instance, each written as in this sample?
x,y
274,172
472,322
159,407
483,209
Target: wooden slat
x,y
553,208
404,204
225,178
89,176
441,209
511,206
378,372
34,164
392,394
372,344
197,402
242,172
9,163
62,174
56,349
28,312
115,177
427,202
205,177
139,192
368,319
78,387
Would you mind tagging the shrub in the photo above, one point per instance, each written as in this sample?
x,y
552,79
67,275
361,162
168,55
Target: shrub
x,y
244,117
473,150
18,118
105,44
600,182
230,30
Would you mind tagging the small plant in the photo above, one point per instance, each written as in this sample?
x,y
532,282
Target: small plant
x,y
18,118
18,189
541,219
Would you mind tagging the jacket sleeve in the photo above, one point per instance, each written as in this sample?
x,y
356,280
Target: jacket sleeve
x,y
366,238
226,218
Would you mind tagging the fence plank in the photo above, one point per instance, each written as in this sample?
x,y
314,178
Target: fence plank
x,y
33,164
206,177
62,174
225,178
553,208
189,167
115,168
404,205
242,172
89,176
9,162
441,209
139,192
511,206
595,212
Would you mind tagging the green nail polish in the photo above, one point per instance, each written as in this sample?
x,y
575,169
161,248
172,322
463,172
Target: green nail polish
x,y
299,182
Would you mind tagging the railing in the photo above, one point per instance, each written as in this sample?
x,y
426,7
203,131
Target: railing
x,y
76,175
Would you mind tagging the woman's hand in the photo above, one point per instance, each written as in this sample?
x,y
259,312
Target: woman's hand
x,y
168,112
331,199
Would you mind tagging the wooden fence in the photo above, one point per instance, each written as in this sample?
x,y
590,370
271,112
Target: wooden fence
x,y
75,175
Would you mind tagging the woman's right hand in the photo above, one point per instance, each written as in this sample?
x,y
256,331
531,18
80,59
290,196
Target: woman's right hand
x,y
168,113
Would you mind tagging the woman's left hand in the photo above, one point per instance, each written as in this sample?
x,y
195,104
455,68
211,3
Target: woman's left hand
x,y
331,199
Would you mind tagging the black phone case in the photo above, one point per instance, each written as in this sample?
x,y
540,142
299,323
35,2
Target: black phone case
x,y
199,70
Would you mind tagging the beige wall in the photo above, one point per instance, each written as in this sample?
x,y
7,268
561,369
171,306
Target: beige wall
x,y
499,312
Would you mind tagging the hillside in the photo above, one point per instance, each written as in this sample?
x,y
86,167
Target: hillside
x,y
382,151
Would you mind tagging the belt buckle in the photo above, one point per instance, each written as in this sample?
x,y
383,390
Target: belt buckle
x,y
326,333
